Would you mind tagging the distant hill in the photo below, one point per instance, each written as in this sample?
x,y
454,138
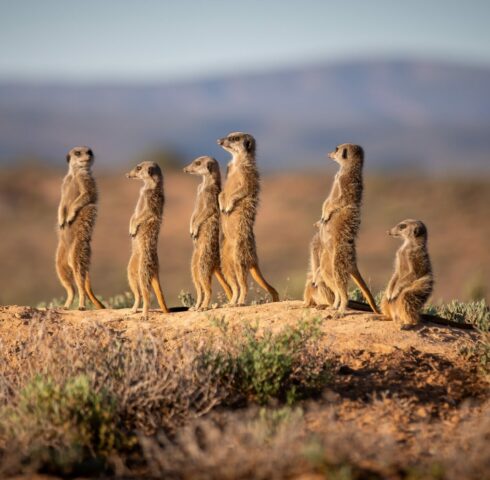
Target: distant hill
x,y
407,114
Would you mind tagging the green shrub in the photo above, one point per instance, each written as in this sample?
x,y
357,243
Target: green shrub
x,y
62,425
287,366
477,313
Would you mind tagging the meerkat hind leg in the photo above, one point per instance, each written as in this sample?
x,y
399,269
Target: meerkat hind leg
x,y
134,282
206,286
259,278
65,274
242,276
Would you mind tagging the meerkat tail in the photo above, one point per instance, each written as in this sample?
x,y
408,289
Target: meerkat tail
x,y
155,283
259,278
224,285
356,276
90,293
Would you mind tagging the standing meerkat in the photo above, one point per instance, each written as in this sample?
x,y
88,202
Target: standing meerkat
x,y
205,230
144,228
238,203
412,282
77,213
339,226
316,291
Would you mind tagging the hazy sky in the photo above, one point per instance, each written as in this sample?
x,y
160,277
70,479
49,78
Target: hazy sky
x,y
126,40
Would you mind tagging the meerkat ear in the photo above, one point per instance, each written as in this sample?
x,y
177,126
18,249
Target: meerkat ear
x,y
419,230
67,158
210,167
344,153
247,143
151,170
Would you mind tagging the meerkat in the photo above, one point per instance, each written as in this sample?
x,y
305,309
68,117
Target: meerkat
x,y
205,230
77,213
339,226
412,282
316,292
144,229
238,204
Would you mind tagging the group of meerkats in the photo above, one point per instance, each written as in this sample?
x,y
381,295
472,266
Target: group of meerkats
x,y
222,230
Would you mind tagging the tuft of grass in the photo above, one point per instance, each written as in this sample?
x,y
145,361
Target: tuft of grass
x,y
476,312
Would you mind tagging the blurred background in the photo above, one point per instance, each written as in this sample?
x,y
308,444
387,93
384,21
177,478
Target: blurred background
x,y
410,81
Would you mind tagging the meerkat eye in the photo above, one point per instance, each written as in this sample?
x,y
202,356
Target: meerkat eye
x,y
138,168
336,149
402,226
77,153
198,162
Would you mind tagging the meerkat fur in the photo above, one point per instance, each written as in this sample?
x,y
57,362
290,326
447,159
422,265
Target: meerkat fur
x,y
339,226
238,204
412,282
77,213
316,291
144,229
205,231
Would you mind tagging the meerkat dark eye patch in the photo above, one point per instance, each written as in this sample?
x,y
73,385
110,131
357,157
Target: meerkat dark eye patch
x,y
77,153
198,162
344,153
138,168
402,226
336,149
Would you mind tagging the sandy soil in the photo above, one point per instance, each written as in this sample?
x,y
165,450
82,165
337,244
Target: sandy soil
x,y
414,385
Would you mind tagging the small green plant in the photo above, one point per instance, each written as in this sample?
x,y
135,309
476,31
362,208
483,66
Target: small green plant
x,y
477,313
287,365
186,299
66,423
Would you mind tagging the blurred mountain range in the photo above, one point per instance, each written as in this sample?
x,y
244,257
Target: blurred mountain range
x,y
407,115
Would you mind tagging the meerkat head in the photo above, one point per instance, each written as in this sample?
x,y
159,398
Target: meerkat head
x,y
347,154
409,230
238,143
80,157
202,166
146,171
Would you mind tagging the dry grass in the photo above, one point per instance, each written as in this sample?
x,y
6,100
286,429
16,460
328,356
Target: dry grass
x,y
74,402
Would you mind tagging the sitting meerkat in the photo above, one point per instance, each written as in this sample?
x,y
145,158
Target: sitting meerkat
x,y
316,292
144,229
77,212
339,226
412,282
205,230
238,203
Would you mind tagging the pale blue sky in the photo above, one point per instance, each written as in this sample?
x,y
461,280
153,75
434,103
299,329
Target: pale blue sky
x,y
150,40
